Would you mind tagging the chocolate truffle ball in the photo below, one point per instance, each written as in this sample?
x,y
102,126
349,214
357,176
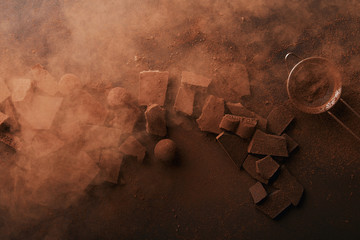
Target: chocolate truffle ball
x,y
118,96
69,83
165,151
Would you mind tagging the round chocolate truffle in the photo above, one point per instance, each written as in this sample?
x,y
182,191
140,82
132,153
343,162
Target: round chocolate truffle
x,y
69,83
165,151
118,96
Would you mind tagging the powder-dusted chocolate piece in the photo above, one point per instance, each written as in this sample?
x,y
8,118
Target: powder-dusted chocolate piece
x,y
234,147
212,113
290,143
250,167
266,167
287,183
155,117
3,117
258,192
246,127
274,204
133,147
268,144
279,118
110,164
21,89
229,122
193,79
184,101
12,141
153,87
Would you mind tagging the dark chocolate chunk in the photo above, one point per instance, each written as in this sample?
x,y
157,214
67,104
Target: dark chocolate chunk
x,y
266,167
268,144
250,167
258,192
274,204
290,143
156,120
246,127
289,185
235,147
279,118
229,122
212,113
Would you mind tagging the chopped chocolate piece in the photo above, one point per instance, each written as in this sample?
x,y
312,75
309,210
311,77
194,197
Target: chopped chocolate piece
x,y
12,141
133,147
246,127
290,143
21,89
118,96
153,87
4,91
69,83
287,183
258,192
279,118
184,101
40,112
211,115
250,167
45,143
156,120
234,147
229,122
266,167
274,204
44,80
3,117
262,122
110,163
267,144
194,79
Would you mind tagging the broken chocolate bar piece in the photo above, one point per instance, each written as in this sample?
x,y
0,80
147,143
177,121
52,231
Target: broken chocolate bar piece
x,y
268,144
246,127
290,143
212,113
3,117
4,91
279,118
229,122
274,204
12,141
250,167
155,117
234,147
134,148
266,167
44,80
287,183
193,79
258,192
184,101
153,87
110,163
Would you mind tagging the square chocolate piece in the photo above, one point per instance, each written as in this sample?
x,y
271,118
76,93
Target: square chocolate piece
x,y
279,118
275,203
290,143
266,167
249,166
258,192
153,87
234,147
268,144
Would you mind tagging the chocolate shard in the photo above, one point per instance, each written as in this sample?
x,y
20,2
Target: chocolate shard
x,y
110,164
184,101
12,141
3,117
250,167
4,91
290,143
246,127
275,203
132,147
211,115
153,87
278,119
193,79
267,167
234,147
155,117
12,119
288,184
258,192
268,144
230,122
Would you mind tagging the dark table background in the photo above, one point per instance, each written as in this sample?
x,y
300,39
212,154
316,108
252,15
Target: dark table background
x,y
205,197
